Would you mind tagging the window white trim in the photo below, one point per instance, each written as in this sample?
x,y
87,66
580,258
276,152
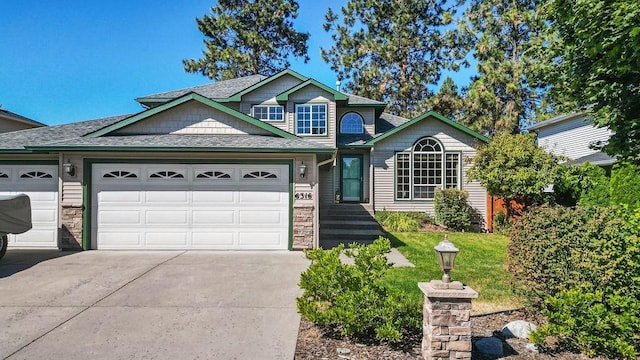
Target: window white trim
x,y
350,117
271,113
308,126
430,167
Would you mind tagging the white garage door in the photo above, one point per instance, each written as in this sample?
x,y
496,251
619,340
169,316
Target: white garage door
x,y
180,206
40,183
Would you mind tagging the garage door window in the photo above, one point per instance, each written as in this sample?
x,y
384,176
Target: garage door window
x,y
36,175
4,175
120,174
213,175
260,175
166,175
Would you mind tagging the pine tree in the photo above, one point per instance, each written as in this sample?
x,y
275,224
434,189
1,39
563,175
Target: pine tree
x,y
448,101
501,97
392,50
246,37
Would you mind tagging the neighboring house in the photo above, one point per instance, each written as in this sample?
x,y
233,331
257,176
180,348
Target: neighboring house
x,y
238,164
11,122
573,136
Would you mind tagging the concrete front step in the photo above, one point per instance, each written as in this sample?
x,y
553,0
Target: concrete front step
x,y
329,244
343,217
349,224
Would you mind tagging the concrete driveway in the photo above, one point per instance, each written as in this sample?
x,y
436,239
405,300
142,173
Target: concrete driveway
x,y
149,305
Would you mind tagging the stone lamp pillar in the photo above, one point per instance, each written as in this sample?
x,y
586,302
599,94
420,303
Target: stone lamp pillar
x,y
446,327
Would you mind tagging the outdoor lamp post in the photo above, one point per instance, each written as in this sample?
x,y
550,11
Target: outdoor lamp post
x,y
446,253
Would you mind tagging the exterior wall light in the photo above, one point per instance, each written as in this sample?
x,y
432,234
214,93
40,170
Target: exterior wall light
x,y
446,253
69,169
302,169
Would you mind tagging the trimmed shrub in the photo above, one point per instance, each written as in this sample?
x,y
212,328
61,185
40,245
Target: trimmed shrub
x,y
403,221
625,185
581,268
553,249
592,324
351,298
452,209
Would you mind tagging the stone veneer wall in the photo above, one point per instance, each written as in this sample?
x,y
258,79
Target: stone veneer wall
x,y
447,323
71,231
302,227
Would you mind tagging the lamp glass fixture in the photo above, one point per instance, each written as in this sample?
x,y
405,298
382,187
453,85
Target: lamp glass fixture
x,y
69,169
302,169
446,253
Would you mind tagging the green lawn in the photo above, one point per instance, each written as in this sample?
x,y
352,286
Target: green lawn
x,y
480,264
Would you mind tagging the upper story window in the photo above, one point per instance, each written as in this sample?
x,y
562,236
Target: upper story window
x,y
311,119
268,112
351,123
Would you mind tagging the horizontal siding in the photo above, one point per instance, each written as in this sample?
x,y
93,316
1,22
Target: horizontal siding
x,y
325,181
71,193
384,166
571,138
192,118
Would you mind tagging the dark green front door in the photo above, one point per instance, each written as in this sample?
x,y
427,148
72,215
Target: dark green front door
x,y
351,170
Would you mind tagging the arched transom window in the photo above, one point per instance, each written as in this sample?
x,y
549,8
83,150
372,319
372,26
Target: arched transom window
x,y
424,169
351,123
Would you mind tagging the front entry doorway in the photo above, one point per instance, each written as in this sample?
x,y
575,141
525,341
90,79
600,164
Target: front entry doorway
x,y
351,175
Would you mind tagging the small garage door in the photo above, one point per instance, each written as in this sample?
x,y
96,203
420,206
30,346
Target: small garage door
x,y
180,206
40,183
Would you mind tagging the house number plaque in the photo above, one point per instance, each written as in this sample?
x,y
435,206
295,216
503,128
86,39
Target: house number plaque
x,y
302,196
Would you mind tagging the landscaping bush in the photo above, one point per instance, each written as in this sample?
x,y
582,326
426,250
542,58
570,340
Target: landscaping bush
x,y
351,298
553,249
452,209
581,268
403,221
625,185
592,324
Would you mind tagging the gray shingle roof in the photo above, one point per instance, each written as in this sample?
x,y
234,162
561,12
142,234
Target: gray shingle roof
x,y
171,142
6,114
217,90
17,140
355,100
387,122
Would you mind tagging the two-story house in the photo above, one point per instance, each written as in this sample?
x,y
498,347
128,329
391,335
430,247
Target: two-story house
x,y
245,163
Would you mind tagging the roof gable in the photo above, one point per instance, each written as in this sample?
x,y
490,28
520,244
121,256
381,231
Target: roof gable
x,y
433,115
336,94
237,97
114,128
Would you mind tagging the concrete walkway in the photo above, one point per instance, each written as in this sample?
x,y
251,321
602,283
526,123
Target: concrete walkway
x,y
149,305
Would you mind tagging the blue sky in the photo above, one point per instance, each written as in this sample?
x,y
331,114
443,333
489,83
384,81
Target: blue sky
x,y
69,60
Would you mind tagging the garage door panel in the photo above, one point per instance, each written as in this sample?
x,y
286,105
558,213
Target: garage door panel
x,y
265,239
120,197
166,217
220,196
120,240
213,239
34,237
119,217
46,216
214,211
260,197
213,217
166,239
164,197
261,217
41,196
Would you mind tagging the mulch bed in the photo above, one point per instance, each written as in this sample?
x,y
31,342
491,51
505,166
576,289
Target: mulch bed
x,y
320,343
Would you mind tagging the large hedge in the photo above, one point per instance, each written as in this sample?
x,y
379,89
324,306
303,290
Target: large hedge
x,y
575,265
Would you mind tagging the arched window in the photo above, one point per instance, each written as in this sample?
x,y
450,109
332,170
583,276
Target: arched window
x,y
351,123
424,169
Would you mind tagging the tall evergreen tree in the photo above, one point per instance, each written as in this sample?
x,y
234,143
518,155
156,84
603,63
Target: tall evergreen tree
x,y
246,37
447,101
501,96
392,50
